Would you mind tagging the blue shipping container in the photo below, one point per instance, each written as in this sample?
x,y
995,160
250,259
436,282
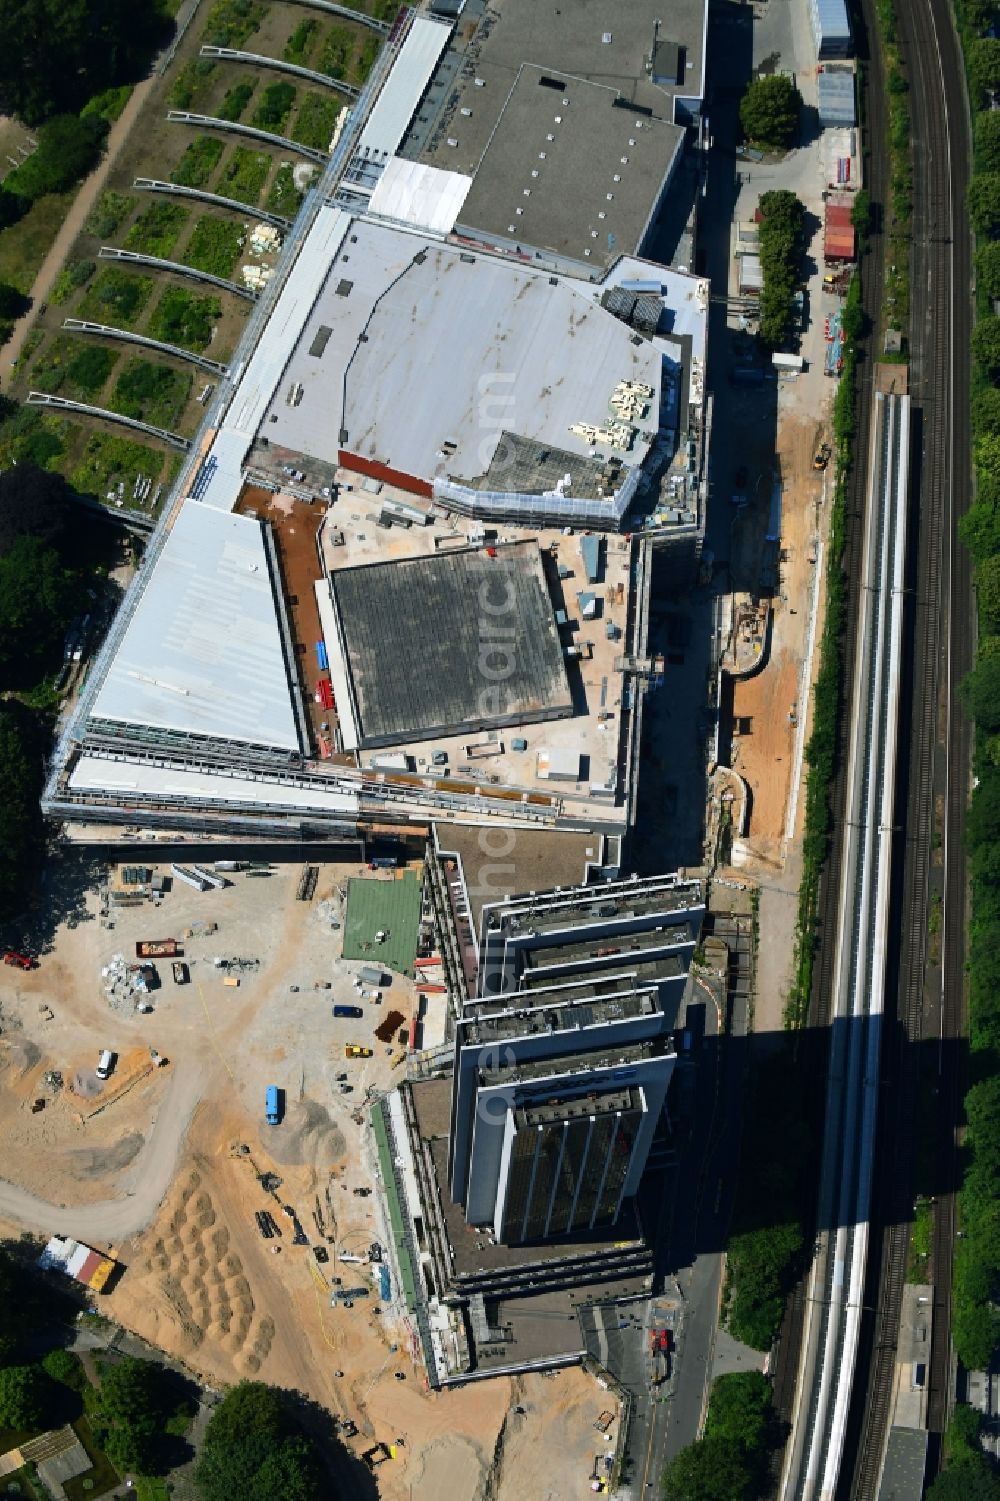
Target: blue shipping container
x,y
272,1105
321,656
383,1279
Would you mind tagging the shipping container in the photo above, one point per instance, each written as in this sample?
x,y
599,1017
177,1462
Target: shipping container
x,y
157,948
272,1105
321,656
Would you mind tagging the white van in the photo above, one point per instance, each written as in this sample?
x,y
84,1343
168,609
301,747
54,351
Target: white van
x,y
106,1064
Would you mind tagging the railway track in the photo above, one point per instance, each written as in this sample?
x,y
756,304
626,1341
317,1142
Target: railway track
x,y
811,1046
939,754
832,1334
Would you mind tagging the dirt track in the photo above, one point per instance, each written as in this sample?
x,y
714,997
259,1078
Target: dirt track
x,y
81,206
152,1171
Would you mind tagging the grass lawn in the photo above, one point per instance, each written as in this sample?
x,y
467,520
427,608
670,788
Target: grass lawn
x,y
107,459
230,22
103,1476
244,175
24,246
191,83
116,297
284,197
236,100
315,121
215,246
76,368
199,161
110,210
274,108
182,318
376,903
74,274
156,230
301,42
150,392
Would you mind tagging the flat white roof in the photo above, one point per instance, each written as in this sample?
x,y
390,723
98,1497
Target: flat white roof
x,y
426,197
403,89
203,653
418,356
94,774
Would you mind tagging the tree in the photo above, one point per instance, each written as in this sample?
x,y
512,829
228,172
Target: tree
x,y
36,606
739,1409
22,836
986,342
769,111
988,264
68,147
253,1449
17,1303
984,69
32,502
25,1394
970,1480
988,591
716,1469
984,202
12,302
987,137
60,52
981,691
134,1406
986,410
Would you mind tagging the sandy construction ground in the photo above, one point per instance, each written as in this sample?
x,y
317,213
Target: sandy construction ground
x,y
161,1166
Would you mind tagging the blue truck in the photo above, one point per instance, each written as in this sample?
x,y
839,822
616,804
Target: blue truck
x,y
273,1103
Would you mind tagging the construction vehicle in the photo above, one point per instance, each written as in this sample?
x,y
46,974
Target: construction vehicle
x,y
18,960
354,1050
822,456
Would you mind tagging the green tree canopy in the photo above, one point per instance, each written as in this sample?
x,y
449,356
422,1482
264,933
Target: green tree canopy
x,y
769,111
25,1396
36,605
716,1469
68,146
986,411
60,52
987,138
739,1409
253,1449
970,1480
981,691
986,341
134,1406
988,262
988,591
984,69
984,202
21,841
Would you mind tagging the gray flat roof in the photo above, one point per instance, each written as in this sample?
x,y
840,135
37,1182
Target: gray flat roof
x,y
417,648
601,40
203,653
569,171
417,357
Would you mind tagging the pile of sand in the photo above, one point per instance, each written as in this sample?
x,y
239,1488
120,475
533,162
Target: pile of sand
x,y
203,1289
86,1084
307,1137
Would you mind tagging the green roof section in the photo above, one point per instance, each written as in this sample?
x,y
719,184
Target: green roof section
x,y
377,904
406,1270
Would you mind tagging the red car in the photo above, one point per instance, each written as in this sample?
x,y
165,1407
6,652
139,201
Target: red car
x,y
18,961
